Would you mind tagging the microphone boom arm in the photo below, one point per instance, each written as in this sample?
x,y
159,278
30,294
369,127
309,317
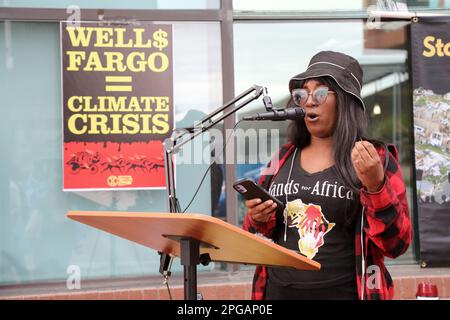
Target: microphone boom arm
x,y
172,145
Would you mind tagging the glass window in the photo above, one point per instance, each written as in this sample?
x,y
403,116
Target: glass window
x,y
298,5
429,4
37,241
113,4
269,54
331,5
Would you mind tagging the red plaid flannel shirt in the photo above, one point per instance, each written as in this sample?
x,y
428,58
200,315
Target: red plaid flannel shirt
x,y
386,228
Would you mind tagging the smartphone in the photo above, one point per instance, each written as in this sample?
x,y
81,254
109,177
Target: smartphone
x,y
250,190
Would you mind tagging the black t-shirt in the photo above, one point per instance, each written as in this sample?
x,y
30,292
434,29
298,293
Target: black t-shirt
x,y
317,227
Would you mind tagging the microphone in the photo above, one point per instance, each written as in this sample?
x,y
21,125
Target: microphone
x,y
278,114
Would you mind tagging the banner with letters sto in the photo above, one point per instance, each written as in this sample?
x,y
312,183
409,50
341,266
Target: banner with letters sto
x,y
117,99
430,53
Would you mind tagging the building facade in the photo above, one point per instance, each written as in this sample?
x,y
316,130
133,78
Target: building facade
x,y
220,49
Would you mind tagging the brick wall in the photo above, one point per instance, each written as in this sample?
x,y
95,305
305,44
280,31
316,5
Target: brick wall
x,y
406,279
405,288
235,291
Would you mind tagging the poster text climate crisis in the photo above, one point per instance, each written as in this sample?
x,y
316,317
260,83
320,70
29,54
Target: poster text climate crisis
x,y
119,66
117,88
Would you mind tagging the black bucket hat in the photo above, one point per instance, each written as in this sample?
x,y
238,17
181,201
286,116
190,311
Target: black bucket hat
x,y
345,70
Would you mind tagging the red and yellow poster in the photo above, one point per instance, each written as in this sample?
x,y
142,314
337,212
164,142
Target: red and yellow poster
x,y
117,95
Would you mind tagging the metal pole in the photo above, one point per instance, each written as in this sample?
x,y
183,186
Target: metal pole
x,y
189,256
404,15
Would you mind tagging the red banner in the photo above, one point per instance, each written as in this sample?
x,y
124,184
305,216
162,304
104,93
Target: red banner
x,y
117,84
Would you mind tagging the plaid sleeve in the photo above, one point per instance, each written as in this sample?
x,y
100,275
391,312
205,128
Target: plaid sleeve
x,y
388,223
266,228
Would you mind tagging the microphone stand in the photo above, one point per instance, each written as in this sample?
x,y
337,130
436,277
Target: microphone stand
x,y
171,147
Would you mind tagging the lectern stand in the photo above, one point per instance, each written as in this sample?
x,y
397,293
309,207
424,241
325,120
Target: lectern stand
x,y
193,237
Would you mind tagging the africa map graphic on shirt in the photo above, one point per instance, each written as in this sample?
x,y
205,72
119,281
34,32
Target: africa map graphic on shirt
x,y
311,226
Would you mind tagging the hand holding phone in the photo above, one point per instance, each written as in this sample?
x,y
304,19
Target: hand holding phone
x,y
259,210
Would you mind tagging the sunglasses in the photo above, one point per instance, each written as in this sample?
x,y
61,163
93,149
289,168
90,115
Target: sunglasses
x,y
319,96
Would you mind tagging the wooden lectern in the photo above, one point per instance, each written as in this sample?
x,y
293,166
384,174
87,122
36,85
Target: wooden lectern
x,y
193,237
